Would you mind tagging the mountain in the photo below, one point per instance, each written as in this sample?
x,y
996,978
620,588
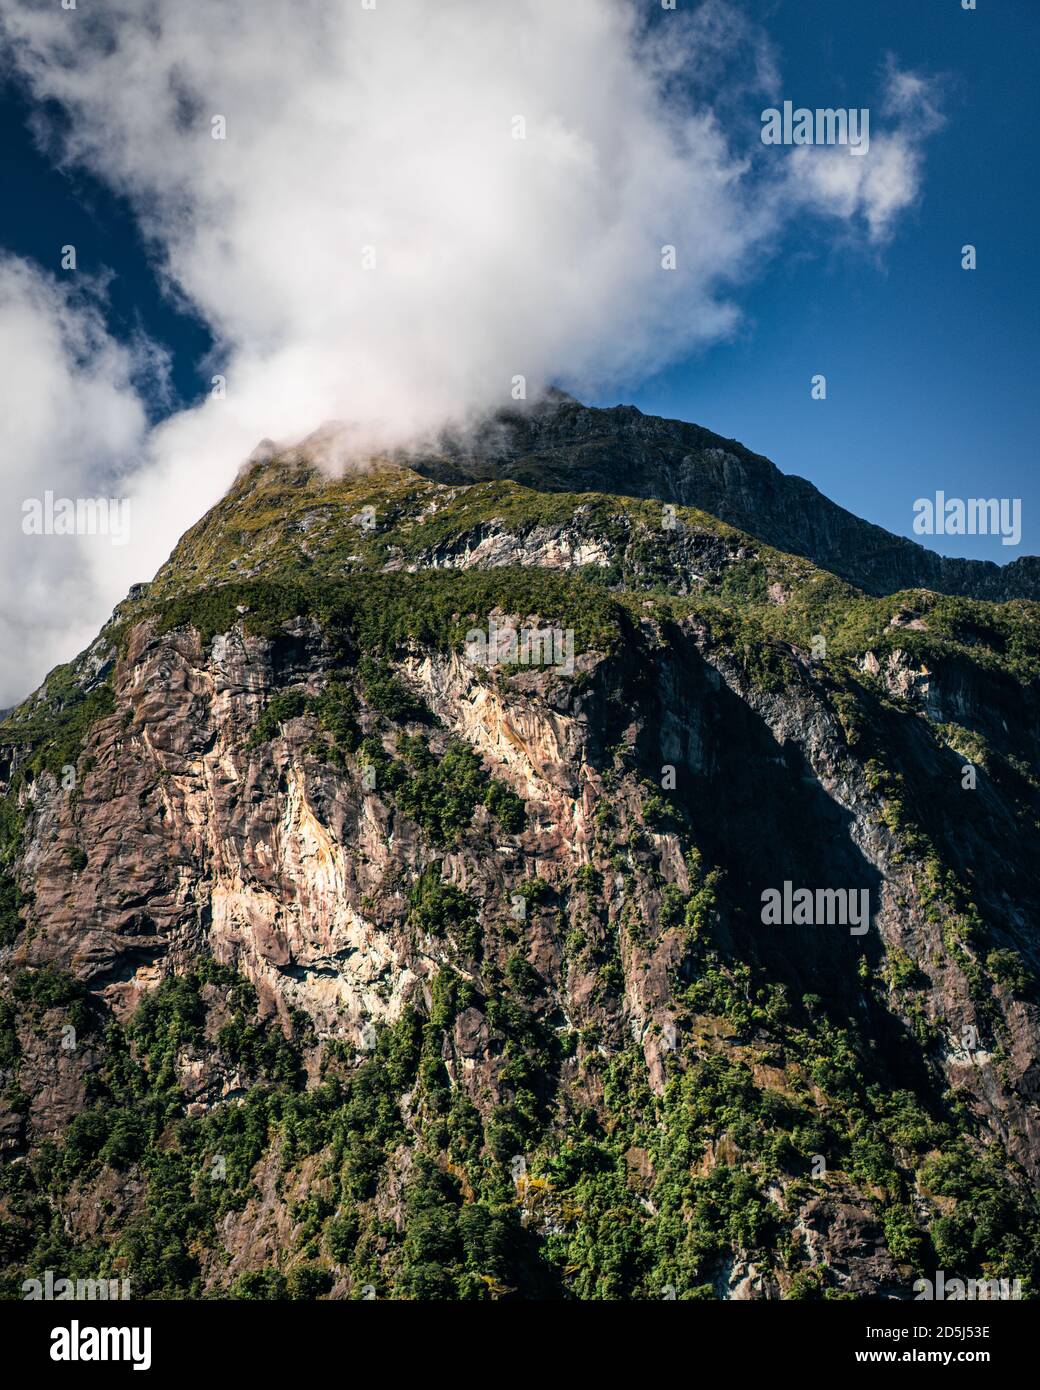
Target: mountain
x,y
561,445
688,950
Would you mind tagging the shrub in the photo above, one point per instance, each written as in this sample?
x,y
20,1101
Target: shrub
x,y
386,694
1010,970
441,909
341,1236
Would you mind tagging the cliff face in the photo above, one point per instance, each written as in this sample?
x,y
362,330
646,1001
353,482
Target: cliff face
x,y
339,960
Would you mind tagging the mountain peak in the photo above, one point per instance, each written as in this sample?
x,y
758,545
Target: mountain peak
x,y
561,445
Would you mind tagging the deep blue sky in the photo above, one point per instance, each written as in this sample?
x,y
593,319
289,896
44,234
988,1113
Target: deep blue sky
x,y
932,371
44,209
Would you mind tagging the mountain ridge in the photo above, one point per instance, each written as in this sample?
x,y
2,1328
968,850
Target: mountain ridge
x,y
560,443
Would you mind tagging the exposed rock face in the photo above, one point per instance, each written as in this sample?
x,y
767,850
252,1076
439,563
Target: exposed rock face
x,y
386,970
563,445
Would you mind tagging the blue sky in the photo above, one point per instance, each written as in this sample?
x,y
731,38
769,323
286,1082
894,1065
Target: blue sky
x,y
931,370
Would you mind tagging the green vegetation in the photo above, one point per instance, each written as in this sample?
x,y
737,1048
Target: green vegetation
x,y
471,1213
440,909
385,693
334,709
53,725
440,793
501,1136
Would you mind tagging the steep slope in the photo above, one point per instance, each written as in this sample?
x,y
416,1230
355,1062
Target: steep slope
x,y
560,444
335,960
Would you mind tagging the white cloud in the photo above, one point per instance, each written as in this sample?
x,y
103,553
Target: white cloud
x,y
912,98
877,186
884,182
71,419
393,128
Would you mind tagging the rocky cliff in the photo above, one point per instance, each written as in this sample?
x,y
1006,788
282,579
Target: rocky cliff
x,y
382,910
